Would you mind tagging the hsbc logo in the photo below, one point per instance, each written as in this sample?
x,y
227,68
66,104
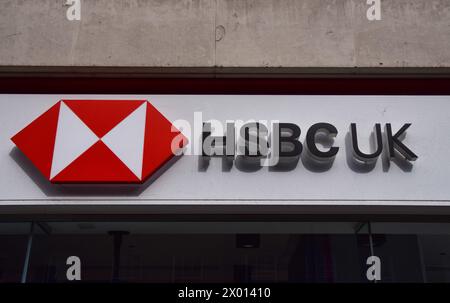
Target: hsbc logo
x,y
99,141
127,141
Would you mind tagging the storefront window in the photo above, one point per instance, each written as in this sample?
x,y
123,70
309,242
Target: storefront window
x,y
202,252
161,252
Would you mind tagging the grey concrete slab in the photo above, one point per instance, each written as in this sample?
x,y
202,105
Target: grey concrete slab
x,y
412,33
333,33
217,34
286,33
110,33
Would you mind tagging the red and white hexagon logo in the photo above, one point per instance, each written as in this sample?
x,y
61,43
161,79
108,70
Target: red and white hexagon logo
x,y
99,141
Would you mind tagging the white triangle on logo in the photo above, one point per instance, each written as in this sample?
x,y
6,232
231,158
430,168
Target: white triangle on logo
x,y
126,140
73,138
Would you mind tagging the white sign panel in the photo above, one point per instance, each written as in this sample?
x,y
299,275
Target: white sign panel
x,y
344,180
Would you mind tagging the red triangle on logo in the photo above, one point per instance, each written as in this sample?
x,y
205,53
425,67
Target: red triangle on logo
x,y
96,165
102,115
158,141
37,140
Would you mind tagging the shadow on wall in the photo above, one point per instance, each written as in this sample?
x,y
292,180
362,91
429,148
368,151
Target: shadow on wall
x,y
52,190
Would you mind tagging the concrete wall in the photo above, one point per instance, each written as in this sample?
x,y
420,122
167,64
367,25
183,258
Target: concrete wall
x,y
225,33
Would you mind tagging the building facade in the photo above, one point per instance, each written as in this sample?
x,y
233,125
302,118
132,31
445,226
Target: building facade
x,y
359,92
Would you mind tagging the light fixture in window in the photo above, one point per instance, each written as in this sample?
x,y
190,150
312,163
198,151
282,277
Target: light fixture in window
x,y
248,240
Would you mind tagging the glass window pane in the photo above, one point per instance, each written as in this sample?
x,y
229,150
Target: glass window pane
x,y
13,239
203,251
413,252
